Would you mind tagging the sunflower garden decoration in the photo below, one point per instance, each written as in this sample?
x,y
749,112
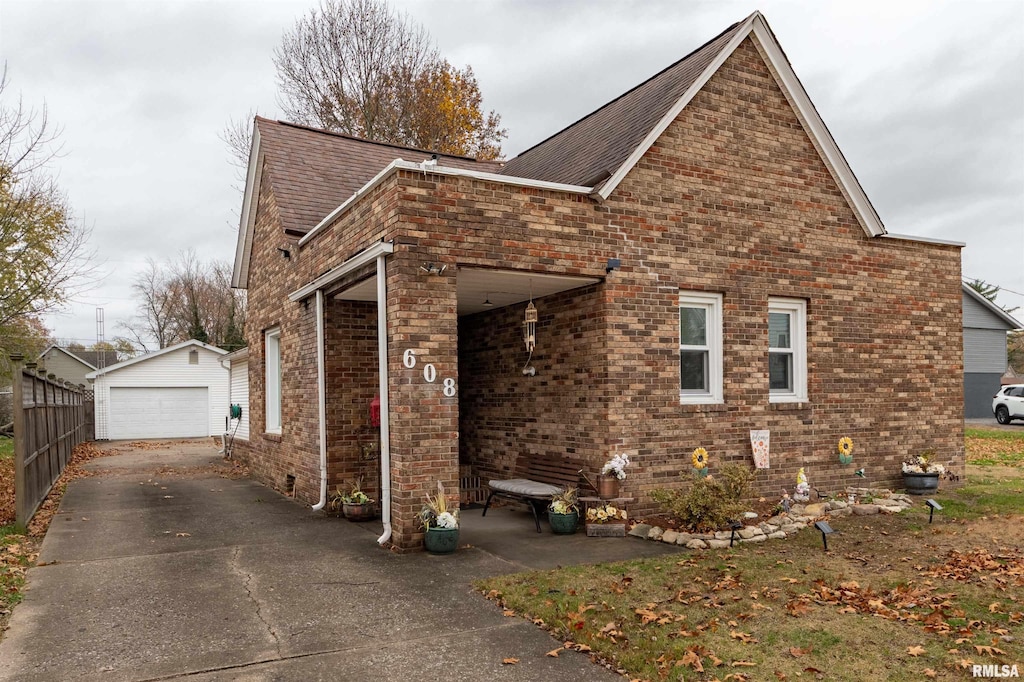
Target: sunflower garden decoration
x,y
700,462
845,450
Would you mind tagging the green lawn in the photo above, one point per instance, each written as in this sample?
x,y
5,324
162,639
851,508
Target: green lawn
x,y
994,447
6,448
895,598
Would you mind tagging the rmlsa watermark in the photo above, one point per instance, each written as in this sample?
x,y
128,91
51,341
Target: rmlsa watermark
x,y
994,670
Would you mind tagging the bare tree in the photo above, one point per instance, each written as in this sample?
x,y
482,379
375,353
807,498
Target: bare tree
x,y
44,260
187,299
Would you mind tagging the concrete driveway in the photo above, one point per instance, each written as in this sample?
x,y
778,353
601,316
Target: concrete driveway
x,y
160,569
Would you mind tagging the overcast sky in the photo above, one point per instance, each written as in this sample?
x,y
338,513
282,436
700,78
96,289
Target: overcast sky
x,y
925,99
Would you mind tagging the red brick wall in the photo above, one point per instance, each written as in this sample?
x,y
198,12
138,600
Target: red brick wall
x,y
734,199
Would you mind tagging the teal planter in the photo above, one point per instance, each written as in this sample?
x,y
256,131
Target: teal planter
x,y
441,540
563,524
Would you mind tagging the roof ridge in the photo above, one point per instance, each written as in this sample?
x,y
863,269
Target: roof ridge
x,y
364,140
631,90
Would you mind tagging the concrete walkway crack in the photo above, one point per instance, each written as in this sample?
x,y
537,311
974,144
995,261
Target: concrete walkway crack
x,y
246,583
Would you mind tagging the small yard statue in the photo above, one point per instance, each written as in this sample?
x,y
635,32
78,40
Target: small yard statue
x,y
803,488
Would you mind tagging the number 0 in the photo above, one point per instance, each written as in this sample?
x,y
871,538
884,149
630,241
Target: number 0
x,y
409,358
429,373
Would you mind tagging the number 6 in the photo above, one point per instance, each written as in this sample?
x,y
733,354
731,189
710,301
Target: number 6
x,y
409,358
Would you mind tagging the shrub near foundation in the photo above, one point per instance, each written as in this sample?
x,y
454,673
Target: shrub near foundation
x,y
710,502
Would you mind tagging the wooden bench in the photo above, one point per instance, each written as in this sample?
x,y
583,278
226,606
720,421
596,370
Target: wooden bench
x,y
537,478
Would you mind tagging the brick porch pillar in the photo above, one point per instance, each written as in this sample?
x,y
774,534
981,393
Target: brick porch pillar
x,y
422,318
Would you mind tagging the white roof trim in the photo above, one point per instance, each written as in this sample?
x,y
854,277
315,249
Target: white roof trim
x,y
790,84
240,354
996,310
148,356
426,168
65,351
357,261
923,240
247,222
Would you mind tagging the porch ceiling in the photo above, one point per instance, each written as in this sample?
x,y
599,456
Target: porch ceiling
x,y
474,286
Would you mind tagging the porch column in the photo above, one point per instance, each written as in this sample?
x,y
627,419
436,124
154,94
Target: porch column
x,y
424,409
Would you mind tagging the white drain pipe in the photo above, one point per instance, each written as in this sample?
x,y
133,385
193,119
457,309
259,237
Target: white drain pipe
x,y
385,411
321,387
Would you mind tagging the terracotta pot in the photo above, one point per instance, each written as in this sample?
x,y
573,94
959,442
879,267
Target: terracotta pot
x,y
607,487
358,512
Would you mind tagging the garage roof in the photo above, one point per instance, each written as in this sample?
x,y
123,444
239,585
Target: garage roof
x,y
150,356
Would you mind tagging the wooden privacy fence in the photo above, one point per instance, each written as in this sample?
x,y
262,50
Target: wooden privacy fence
x,y
49,421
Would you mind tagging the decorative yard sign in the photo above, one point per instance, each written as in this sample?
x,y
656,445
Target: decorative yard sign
x,y
759,444
429,373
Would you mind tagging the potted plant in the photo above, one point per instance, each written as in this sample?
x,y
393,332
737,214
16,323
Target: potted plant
x,y
441,523
353,503
921,473
606,521
613,471
564,512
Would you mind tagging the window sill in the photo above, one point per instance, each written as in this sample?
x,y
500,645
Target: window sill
x,y
274,437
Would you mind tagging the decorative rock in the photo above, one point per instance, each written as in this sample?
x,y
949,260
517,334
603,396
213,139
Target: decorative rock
x,y
887,502
796,510
890,510
655,533
777,535
669,536
696,544
778,520
750,532
840,512
723,535
717,544
768,528
683,539
818,509
837,504
790,528
749,516
704,536
640,530
756,538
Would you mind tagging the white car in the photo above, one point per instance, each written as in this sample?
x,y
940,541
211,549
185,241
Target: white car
x,y
1008,404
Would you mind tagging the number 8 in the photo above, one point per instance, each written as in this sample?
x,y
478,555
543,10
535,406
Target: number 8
x,y
449,387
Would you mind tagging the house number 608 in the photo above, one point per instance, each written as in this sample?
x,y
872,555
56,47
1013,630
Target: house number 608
x,y
429,373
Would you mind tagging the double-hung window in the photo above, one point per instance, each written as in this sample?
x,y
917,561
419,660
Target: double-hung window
x,y
700,347
787,350
272,350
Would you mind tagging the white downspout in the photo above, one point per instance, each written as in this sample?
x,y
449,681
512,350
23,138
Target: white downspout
x,y
321,387
385,411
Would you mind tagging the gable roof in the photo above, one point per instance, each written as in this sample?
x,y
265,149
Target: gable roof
x,y
600,142
588,146
89,358
315,171
150,356
312,171
1005,317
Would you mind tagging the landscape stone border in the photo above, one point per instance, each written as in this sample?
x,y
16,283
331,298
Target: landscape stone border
x,y
782,525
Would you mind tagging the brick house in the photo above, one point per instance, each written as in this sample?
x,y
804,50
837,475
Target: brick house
x,y
702,260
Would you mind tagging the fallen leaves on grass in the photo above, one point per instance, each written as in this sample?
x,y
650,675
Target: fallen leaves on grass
x,y
982,566
915,651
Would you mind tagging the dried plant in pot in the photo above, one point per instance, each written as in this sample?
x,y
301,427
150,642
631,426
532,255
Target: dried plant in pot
x,y
564,512
921,473
441,522
354,504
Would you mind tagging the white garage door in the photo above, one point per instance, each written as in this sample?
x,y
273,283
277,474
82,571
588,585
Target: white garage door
x,y
159,412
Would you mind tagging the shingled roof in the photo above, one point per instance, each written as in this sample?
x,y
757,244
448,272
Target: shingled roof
x,y
312,171
600,142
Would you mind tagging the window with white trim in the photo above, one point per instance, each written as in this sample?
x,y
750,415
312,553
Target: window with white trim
x,y
700,347
787,350
272,349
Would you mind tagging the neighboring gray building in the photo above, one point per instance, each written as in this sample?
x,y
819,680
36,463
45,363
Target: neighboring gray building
x,y
72,365
985,327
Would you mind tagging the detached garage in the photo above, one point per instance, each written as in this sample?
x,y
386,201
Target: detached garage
x,y
177,392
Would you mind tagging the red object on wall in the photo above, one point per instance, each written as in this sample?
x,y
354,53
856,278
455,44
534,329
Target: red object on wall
x,y
375,411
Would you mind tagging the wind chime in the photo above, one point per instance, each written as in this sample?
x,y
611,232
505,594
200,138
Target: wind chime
x,y
530,335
